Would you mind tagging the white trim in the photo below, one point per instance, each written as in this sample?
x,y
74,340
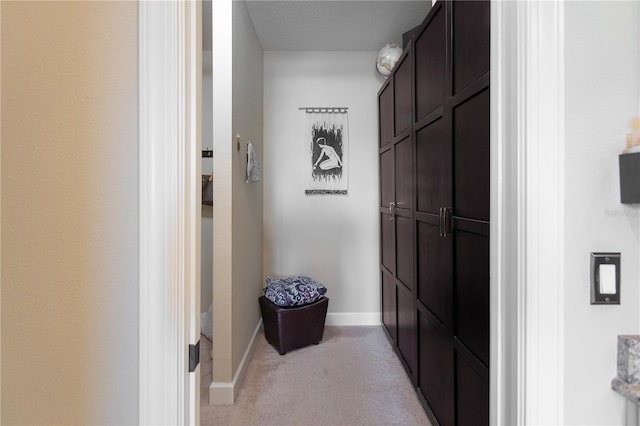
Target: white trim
x,y
158,362
222,393
527,246
167,200
225,393
352,319
541,209
193,195
503,368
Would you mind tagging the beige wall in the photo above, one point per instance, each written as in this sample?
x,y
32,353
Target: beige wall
x,y
221,117
237,233
247,197
70,213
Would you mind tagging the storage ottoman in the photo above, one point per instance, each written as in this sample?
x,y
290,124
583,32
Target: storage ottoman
x,y
289,328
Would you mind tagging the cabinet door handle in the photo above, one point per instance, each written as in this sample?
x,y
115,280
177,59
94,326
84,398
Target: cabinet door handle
x,y
392,211
447,222
441,223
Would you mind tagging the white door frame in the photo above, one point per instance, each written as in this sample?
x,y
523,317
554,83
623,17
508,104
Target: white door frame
x,y
170,197
527,157
527,212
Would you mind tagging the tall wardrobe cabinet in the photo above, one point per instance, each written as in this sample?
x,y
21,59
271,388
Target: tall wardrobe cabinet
x,y
434,211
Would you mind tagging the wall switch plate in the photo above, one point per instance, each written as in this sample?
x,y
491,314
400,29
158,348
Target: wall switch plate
x,y
605,278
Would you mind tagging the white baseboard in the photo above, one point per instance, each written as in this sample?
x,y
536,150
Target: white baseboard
x,y
224,393
352,318
221,393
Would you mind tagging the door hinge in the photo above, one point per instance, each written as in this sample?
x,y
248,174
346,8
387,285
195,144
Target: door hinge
x,y
194,356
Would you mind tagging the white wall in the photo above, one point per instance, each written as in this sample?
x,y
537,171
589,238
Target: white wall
x,y
69,213
601,88
333,239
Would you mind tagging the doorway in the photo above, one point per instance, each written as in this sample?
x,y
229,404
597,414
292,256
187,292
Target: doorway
x,y
507,400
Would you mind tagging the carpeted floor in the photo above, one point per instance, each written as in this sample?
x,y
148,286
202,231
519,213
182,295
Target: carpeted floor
x,y
351,378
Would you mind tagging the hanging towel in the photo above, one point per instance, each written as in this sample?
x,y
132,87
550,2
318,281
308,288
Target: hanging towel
x,y
254,172
207,190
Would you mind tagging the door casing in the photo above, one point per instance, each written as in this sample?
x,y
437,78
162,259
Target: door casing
x,y
169,207
527,154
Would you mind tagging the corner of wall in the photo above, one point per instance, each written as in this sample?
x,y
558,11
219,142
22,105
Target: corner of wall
x,y
222,185
247,203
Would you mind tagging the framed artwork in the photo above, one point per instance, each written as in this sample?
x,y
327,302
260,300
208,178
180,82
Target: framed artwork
x,y
327,140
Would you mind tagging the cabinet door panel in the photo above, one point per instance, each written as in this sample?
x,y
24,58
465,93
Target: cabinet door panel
x,y
404,251
404,174
387,242
434,271
396,224
407,333
472,395
436,368
471,41
389,310
385,108
433,167
386,178
430,58
402,95
472,292
471,138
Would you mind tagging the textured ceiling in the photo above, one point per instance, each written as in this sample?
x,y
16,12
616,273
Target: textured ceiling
x,y
332,25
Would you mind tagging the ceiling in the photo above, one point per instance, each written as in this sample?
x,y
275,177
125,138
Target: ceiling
x,y
329,25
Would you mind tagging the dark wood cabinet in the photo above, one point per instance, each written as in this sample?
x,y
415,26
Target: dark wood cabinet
x,y
396,212
435,199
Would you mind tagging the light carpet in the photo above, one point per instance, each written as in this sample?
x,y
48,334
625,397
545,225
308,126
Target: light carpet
x,y
352,377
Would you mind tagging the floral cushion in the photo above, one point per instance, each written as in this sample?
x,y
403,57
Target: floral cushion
x,y
293,291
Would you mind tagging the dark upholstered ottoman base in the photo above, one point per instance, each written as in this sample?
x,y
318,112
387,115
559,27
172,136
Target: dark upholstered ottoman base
x,y
292,328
